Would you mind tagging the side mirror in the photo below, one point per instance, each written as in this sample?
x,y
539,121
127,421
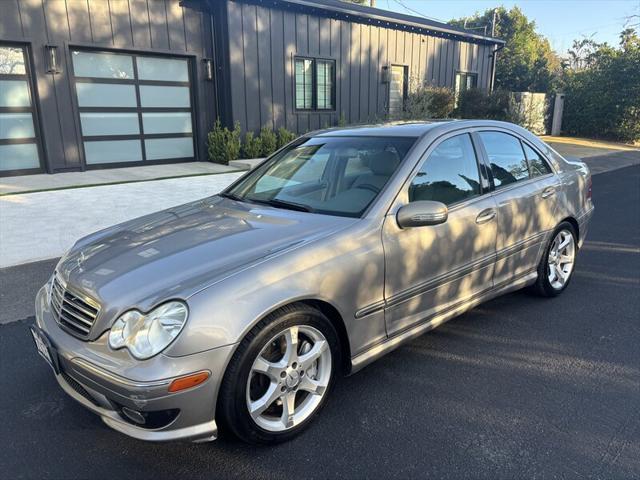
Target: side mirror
x,y
422,214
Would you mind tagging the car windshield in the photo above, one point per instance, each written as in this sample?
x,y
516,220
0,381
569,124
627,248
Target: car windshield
x,y
330,175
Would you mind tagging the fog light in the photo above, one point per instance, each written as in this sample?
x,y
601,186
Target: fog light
x,y
188,381
134,416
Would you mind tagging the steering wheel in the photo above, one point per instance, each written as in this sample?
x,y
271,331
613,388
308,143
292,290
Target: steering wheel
x,y
368,186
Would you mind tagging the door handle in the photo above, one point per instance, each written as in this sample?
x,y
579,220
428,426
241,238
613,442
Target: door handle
x,y
485,216
549,191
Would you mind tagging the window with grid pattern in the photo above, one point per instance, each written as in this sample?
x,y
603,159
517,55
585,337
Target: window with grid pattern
x,y
314,84
304,84
324,84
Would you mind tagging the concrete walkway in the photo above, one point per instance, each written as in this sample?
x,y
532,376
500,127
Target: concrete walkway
x,y
37,226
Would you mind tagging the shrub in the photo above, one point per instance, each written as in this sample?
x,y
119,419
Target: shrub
x,y
285,136
268,141
441,102
426,101
223,145
472,103
252,146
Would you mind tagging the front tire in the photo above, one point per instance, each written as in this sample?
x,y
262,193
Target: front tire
x,y
280,376
558,261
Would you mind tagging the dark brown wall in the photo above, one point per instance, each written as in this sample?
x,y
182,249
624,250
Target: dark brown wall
x,y
263,42
153,25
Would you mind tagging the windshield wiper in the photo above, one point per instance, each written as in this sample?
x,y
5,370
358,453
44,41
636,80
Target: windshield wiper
x,y
274,202
231,196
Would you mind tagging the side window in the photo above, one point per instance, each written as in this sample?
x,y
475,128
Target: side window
x,y
537,165
508,163
449,175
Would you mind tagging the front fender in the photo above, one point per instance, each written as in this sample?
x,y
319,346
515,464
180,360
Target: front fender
x,y
345,270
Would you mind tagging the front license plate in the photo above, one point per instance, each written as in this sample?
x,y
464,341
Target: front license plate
x,y
43,345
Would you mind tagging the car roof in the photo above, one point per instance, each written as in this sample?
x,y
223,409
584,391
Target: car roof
x,y
389,129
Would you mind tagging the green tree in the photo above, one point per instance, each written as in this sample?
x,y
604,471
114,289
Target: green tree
x,y
526,63
603,91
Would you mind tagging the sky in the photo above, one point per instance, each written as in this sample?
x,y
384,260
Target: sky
x,y
561,21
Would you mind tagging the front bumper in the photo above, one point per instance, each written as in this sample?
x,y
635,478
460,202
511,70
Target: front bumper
x,y
109,382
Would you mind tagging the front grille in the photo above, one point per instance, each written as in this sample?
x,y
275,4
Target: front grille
x,y
78,388
75,313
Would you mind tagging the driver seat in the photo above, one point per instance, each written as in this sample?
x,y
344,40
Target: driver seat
x,y
382,165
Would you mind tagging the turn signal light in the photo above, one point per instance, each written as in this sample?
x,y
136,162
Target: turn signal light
x,y
188,381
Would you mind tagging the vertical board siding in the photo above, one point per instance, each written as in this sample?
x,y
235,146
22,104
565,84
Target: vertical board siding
x,y
158,24
121,23
251,67
175,24
265,65
359,50
100,19
139,24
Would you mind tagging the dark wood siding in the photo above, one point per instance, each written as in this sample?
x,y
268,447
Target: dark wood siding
x,y
264,41
160,26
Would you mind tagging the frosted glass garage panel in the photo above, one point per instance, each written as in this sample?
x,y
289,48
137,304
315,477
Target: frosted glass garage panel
x,y
102,65
161,148
16,125
112,151
14,93
166,122
171,97
109,124
19,156
164,69
106,95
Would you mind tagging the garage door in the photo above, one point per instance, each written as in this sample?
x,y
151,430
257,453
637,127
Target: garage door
x,y
20,151
133,108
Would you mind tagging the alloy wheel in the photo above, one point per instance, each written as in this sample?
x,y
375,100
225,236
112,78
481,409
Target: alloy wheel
x,y
289,378
561,259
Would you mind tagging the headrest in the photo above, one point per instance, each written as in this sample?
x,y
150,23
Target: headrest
x,y
384,162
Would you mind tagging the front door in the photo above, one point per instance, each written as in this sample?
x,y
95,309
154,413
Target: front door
x,y
397,90
433,269
526,201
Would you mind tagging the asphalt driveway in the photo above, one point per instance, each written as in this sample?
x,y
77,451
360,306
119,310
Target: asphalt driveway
x,y
519,387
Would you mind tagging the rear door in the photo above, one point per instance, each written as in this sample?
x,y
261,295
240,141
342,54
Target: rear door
x,y
525,196
397,90
433,269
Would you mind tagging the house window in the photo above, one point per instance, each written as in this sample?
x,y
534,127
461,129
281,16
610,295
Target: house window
x,y
19,147
324,84
304,84
133,108
466,81
315,84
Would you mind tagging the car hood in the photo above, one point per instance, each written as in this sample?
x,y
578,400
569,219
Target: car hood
x,y
177,252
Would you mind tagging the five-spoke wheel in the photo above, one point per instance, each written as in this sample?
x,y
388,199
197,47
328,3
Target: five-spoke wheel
x,y
289,378
558,262
561,256
280,375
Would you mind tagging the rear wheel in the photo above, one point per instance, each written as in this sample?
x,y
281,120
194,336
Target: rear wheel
x,y
557,264
280,376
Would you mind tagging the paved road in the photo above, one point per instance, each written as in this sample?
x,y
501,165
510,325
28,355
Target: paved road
x,y
519,387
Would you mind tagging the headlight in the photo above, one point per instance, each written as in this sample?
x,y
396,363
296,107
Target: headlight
x,y
146,335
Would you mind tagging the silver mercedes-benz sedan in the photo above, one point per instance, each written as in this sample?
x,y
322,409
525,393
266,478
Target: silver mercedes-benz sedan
x,y
241,309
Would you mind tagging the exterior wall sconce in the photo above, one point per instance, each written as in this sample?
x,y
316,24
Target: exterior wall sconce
x,y
51,59
385,74
208,68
